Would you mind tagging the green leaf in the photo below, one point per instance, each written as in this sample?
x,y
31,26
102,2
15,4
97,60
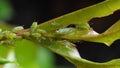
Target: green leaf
x,y
45,58
88,64
3,51
82,16
56,28
68,51
63,48
26,54
107,37
73,34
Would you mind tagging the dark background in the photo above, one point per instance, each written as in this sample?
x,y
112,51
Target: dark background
x,y
27,11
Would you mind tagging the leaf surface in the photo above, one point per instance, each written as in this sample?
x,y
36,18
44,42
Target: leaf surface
x,y
26,54
107,37
81,16
69,51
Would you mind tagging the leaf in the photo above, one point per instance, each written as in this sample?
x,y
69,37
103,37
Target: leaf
x,y
45,58
68,51
82,16
109,36
63,48
3,51
26,54
73,34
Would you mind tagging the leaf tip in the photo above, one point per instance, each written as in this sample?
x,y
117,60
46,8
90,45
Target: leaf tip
x,y
108,43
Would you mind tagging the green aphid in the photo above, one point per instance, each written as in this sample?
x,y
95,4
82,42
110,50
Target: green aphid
x,y
36,35
12,35
83,26
18,28
8,34
41,31
26,34
33,27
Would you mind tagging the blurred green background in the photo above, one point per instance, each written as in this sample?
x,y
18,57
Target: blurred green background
x,y
6,10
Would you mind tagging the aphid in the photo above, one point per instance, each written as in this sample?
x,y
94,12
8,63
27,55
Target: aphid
x,y
83,26
36,35
12,35
18,28
8,34
33,27
26,34
40,31
63,31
